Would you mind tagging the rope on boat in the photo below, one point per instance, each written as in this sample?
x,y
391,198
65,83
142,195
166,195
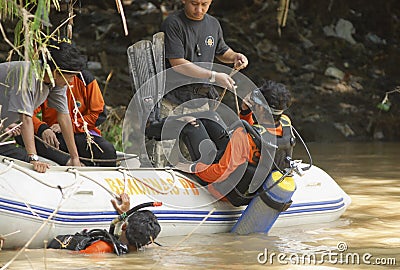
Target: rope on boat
x,y
114,195
10,165
173,184
29,173
45,222
125,178
174,181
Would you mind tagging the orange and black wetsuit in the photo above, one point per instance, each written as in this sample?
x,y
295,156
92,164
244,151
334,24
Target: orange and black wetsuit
x,y
240,149
98,247
90,103
88,100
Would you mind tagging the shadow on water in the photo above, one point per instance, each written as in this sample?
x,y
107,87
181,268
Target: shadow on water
x,y
369,228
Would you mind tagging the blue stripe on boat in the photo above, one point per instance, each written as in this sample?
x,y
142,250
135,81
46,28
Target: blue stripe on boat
x,y
165,215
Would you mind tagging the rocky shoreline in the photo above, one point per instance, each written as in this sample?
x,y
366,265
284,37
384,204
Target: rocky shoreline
x,y
335,56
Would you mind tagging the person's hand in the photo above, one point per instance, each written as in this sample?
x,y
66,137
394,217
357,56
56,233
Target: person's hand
x,y
225,80
123,205
74,162
56,128
240,61
40,166
15,130
50,137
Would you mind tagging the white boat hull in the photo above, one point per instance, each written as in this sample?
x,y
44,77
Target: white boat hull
x,y
62,201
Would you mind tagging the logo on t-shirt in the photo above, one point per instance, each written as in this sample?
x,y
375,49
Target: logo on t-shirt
x,y
209,41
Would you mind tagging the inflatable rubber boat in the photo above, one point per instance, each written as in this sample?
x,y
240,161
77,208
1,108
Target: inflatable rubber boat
x,y
36,207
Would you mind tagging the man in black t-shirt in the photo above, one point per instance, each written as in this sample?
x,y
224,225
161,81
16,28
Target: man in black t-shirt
x,y
193,39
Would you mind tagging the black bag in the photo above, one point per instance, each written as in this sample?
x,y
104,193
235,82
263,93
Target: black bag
x,y
75,242
81,240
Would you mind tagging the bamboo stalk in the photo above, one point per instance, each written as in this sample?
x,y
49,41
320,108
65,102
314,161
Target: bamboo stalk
x,y
120,9
282,14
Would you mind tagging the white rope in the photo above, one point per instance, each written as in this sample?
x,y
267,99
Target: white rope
x,y
195,228
10,165
125,178
4,237
174,181
173,185
29,173
64,199
114,195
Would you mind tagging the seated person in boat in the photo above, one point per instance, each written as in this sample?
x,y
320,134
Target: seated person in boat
x,y
141,229
86,95
252,150
19,97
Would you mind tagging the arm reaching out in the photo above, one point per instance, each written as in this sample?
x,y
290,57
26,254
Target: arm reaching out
x,y
124,206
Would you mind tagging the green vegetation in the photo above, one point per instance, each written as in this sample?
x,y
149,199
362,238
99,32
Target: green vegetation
x,y
111,129
385,103
32,34
114,135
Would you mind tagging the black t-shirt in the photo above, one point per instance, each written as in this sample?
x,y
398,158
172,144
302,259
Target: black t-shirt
x,y
182,36
195,41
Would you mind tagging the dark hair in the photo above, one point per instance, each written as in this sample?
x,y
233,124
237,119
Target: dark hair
x,y
142,229
276,94
65,56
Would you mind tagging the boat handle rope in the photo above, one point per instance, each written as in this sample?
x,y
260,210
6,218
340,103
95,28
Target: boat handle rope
x,y
75,171
29,173
125,178
306,148
173,184
197,184
113,194
9,167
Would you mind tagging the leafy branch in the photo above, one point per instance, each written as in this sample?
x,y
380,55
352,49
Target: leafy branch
x,y
385,103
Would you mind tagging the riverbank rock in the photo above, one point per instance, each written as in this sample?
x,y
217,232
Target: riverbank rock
x,y
336,80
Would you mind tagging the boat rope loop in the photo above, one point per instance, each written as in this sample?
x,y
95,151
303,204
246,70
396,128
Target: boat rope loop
x,y
114,195
10,165
173,184
77,173
125,178
33,176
